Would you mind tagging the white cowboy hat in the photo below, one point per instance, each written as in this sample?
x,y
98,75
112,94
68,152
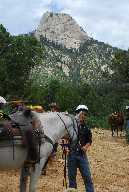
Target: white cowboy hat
x,y
81,108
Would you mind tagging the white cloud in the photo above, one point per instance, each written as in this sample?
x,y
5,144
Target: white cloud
x,y
21,16
104,20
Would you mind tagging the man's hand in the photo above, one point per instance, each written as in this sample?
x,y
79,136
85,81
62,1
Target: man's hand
x,y
64,143
86,147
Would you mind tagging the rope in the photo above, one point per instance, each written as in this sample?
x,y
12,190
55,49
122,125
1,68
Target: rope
x,y
64,156
65,126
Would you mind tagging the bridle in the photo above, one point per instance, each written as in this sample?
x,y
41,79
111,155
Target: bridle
x,y
73,121
48,139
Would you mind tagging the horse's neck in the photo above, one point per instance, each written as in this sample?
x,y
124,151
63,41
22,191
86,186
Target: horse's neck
x,y
56,125
68,126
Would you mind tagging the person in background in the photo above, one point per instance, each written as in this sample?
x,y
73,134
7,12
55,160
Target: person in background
x,y
2,103
77,156
17,105
54,107
126,122
38,109
127,117
3,111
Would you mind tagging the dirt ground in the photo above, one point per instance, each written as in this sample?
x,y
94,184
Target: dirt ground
x,y
109,160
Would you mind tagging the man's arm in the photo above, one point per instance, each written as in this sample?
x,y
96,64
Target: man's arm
x,y
86,147
88,141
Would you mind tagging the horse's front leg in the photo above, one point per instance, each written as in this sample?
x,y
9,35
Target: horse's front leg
x,y
112,129
45,151
121,130
35,174
24,178
117,129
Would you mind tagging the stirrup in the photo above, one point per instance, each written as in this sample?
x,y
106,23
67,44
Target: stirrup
x,y
29,162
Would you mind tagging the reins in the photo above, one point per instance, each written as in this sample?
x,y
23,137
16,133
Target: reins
x,y
64,146
64,126
72,118
64,156
48,139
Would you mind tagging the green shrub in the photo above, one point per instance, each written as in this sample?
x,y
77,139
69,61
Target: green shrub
x,y
94,121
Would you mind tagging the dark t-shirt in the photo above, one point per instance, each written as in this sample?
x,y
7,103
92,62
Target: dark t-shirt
x,y
84,136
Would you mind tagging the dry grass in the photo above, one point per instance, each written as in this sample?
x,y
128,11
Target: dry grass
x,y
109,160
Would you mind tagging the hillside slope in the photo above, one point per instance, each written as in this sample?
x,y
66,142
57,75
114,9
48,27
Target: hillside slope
x,y
91,63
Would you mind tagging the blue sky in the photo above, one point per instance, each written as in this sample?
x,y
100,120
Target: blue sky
x,y
103,20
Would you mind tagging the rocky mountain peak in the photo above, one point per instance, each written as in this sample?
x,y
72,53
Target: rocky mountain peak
x,y
62,29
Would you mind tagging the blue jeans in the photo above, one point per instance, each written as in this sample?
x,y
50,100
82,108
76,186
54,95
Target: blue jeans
x,y
79,160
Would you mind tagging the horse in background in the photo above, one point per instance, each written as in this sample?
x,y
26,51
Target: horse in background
x,y
116,122
14,154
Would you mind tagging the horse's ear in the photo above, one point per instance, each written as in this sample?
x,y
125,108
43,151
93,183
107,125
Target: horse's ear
x,y
66,113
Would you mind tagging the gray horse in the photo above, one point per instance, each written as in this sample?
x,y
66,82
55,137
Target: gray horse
x,y
13,155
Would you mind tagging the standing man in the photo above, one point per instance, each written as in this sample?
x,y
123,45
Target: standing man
x,y
77,157
126,122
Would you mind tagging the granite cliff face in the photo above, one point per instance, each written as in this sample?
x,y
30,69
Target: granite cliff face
x,y
69,53
62,29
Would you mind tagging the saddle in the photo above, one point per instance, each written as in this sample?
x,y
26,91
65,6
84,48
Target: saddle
x,y
10,134
8,130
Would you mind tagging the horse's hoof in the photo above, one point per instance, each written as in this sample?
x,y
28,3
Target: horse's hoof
x,y
71,190
44,172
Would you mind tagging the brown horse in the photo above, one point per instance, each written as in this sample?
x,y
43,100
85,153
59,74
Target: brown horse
x,y
116,122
